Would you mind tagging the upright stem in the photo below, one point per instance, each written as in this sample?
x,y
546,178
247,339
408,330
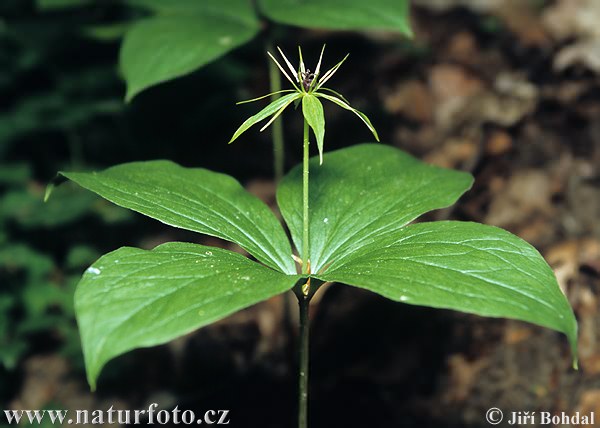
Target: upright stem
x,y
277,126
305,243
304,296
303,301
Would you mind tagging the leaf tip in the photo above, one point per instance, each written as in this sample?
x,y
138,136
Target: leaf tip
x,y
407,31
130,94
56,181
91,378
49,190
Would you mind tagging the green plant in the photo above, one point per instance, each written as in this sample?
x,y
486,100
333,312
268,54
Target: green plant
x,y
350,224
177,37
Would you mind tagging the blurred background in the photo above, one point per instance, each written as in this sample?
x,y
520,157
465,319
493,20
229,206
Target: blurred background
x,y
508,90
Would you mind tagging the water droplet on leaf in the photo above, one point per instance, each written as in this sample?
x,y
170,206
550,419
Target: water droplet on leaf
x,y
225,40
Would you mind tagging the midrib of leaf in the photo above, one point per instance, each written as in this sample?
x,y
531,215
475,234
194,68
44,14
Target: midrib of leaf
x,y
387,228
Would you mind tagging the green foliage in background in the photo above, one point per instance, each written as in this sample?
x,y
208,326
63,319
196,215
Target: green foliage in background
x,y
45,112
36,294
180,36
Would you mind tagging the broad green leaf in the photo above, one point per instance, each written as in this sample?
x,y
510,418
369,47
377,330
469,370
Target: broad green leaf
x,y
195,199
360,196
61,4
133,298
313,113
107,32
168,7
340,14
468,267
275,108
237,9
179,40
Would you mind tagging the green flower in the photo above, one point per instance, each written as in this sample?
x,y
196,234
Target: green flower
x,y
308,88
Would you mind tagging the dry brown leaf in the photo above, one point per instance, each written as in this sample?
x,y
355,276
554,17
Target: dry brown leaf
x,y
452,88
498,143
475,5
585,53
516,333
526,193
463,47
411,99
453,153
589,402
522,19
575,19
463,375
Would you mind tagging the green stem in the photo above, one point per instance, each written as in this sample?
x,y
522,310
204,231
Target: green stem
x,y
277,126
305,243
304,294
303,302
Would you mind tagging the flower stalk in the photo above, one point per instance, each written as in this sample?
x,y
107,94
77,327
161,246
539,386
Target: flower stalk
x,y
308,90
305,189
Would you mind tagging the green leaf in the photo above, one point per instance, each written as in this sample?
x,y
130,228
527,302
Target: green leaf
x,y
195,199
237,9
49,5
341,14
179,40
313,113
468,267
28,209
107,32
275,108
133,298
360,196
13,174
347,106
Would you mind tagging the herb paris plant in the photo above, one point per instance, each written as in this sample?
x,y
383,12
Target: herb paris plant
x,y
357,231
